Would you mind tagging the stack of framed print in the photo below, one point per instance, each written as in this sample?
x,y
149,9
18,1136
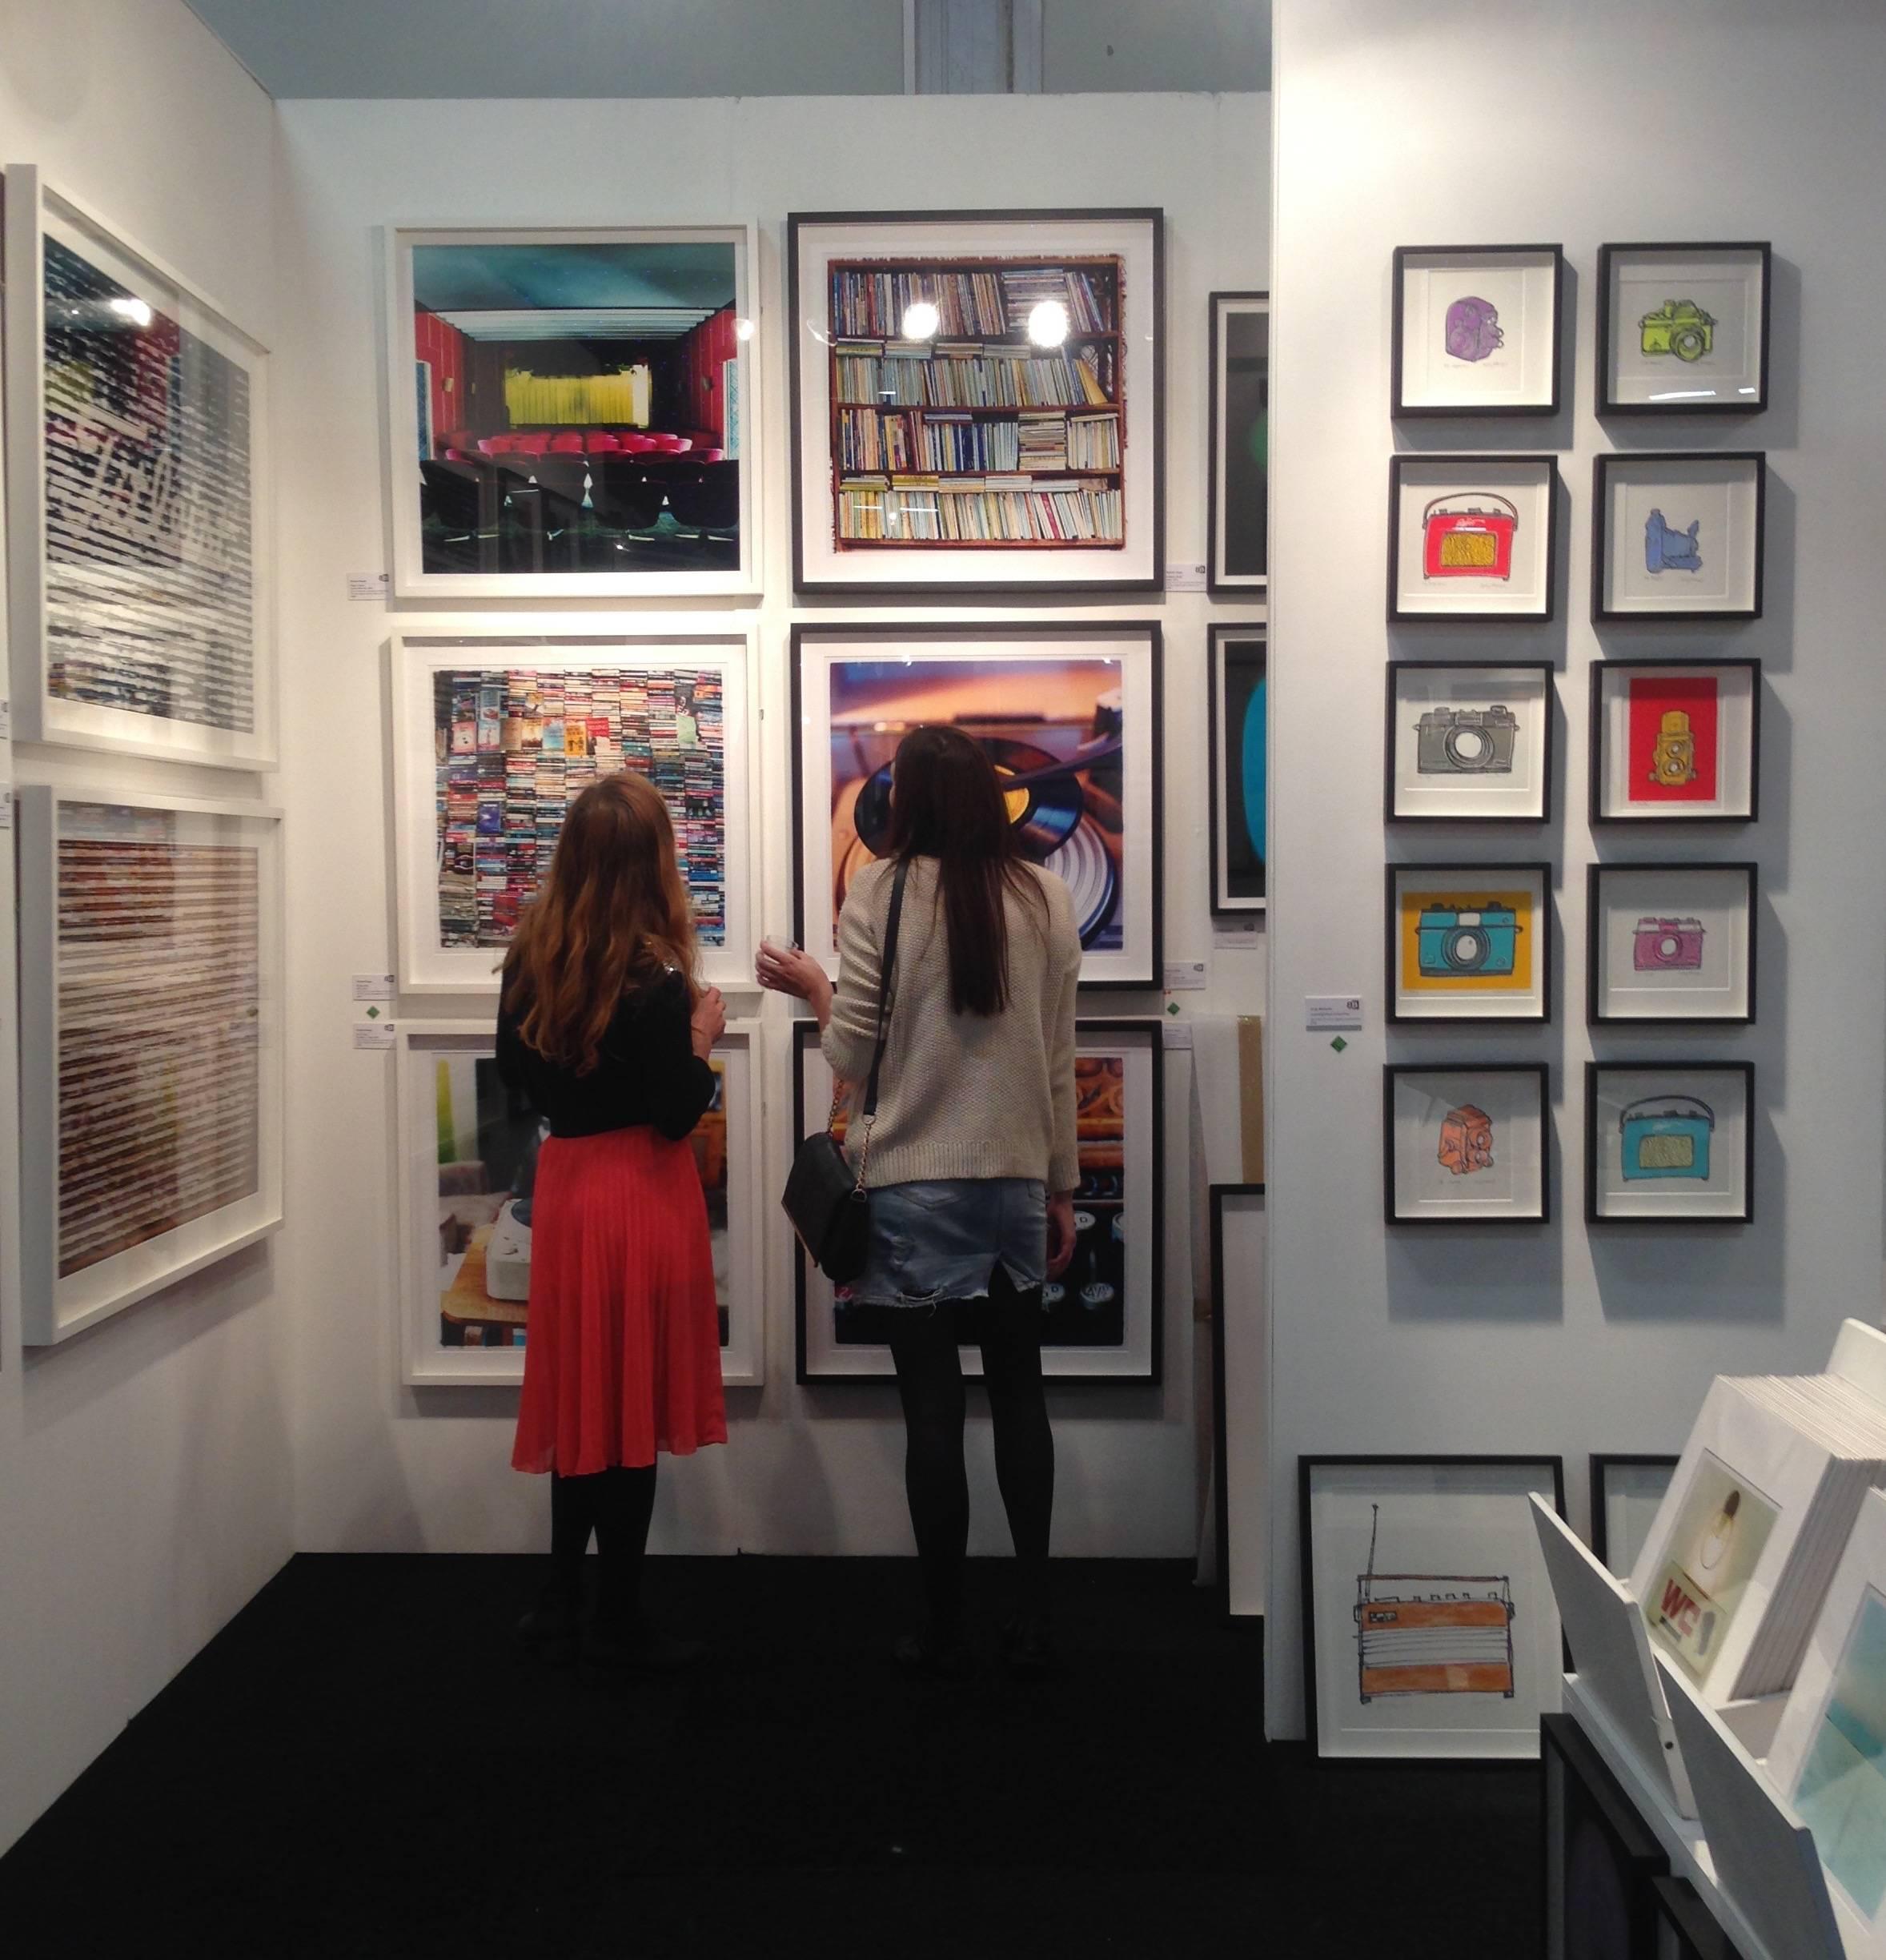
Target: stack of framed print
x,y
1670,942
1678,536
1237,489
1676,741
1683,329
1466,1146
978,400
1238,707
1602,1860
1476,330
1626,1491
1469,942
1472,538
1669,1142
1102,1320
1469,741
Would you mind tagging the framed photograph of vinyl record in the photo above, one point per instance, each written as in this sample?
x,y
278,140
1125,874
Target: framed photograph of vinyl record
x,y
1068,713
1670,942
1466,1145
1238,709
1469,741
1469,942
1476,330
1676,741
1670,1142
1683,329
1678,536
1238,490
1472,538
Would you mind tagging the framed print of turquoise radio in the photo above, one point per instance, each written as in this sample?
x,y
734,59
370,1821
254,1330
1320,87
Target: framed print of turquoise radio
x,y
1670,1142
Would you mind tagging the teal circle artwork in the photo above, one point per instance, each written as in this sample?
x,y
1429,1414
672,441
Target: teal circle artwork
x,y
1256,765
1256,439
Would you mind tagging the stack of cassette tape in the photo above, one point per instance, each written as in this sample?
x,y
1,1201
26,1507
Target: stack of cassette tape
x,y
1745,1545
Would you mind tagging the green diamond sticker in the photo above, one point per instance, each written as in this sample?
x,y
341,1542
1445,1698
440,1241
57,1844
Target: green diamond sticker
x,y
1172,1007
1338,1044
373,1014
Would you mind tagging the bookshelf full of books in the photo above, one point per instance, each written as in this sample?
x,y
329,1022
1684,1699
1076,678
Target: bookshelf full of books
x,y
987,433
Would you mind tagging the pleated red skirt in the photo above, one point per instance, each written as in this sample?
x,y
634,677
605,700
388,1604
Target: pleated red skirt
x,y
622,1357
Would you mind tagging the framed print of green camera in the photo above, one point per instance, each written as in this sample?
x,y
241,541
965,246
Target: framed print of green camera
x,y
1683,329
1469,741
1469,942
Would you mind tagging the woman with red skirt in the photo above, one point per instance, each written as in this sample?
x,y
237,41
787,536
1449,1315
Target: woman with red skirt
x,y
604,1031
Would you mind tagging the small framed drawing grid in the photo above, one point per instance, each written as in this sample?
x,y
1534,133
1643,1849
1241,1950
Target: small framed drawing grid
x,y
1670,1143
1469,741
1683,329
1238,496
1472,538
1678,536
1676,741
1670,942
1476,330
1430,1631
1469,942
1237,704
1466,1145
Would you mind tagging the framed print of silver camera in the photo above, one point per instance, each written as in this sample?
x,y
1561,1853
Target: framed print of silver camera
x,y
1470,942
1470,741
1678,536
1471,538
1676,741
1465,1146
1670,942
1683,329
1476,330
1670,1143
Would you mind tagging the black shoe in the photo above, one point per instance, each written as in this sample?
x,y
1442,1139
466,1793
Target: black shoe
x,y
1028,1647
548,1631
943,1657
638,1648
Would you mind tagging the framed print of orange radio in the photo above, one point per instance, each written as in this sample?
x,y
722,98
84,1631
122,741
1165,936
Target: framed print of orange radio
x,y
1471,538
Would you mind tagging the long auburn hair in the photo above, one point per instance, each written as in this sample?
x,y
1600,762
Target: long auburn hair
x,y
612,915
948,804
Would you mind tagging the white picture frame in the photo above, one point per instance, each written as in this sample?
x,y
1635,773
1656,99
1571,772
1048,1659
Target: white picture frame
x,y
1683,329
191,888
1676,741
1237,491
1466,1145
1468,943
433,1262
1472,538
1670,1142
1476,330
1678,536
1470,741
622,315
1670,942
426,963
162,598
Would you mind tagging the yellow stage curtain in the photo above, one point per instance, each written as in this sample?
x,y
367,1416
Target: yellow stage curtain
x,y
532,401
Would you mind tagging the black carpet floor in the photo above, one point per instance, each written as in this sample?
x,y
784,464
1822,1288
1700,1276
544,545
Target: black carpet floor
x,y
359,1766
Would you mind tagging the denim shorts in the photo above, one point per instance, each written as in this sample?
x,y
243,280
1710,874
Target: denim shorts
x,y
943,1240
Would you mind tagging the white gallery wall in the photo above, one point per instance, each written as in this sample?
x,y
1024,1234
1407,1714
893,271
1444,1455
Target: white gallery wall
x,y
380,1467
144,1468
1454,123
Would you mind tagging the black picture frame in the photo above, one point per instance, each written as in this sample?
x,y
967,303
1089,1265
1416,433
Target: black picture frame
x,y
1470,872
1222,632
1601,467
1217,1196
1220,583
1306,1468
1586,1806
1693,1934
1604,403
1599,752
1603,1463
1399,466
1144,978
1546,671
1683,1221
1596,876
1401,410
806,1034
1153,216
1392,1072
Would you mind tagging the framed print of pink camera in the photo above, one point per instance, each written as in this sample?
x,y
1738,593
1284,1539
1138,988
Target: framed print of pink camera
x,y
1676,741
1670,942
1471,538
1470,741
1476,330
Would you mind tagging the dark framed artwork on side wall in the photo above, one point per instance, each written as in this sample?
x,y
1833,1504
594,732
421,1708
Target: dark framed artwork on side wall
x,y
1476,330
1238,713
1683,329
1238,490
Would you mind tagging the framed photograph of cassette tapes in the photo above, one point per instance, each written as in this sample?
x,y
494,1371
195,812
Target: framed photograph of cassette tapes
x,y
1472,537
1670,942
1476,330
1466,1145
1469,942
1678,536
1670,1143
1469,741
1683,329
1676,741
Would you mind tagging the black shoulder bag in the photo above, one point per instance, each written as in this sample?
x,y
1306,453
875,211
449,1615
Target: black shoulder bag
x,y
825,1198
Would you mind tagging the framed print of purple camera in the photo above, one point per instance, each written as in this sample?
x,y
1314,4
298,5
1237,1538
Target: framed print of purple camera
x,y
1670,942
1476,330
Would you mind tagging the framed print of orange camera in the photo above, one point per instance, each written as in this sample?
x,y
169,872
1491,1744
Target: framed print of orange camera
x,y
1469,942
1471,538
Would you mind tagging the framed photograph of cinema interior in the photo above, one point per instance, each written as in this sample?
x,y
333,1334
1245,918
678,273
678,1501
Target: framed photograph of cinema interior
x,y
1472,538
1469,942
1476,330
1469,741
1238,709
1466,1145
138,492
573,413
1670,1143
151,1044
1683,329
468,1169
1430,1630
1238,487
1069,715
1626,1491
1669,942
496,733
1103,1321
978,401
1676,741
1677,536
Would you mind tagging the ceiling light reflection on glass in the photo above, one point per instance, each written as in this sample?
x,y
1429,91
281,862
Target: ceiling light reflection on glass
x,y
921,320
1047,322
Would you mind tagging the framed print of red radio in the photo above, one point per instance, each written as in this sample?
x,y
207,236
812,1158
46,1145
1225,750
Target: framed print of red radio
x,y
978,400
1471,538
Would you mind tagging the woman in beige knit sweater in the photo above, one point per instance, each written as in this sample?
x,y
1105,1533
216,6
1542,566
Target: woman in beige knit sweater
x,y
972,1157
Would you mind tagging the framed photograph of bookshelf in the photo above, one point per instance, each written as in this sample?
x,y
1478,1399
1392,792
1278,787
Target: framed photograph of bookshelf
x,y
496,733
1626,1491
468,1169
1070,714
1238,490
978,400
1683,329
137,480
1469,942
573,414
1670,942
1476,330
151,1044
1472,538
1678,536
1237,706
1466,1144
1101,1321
1469,741
1670,1142
1676,741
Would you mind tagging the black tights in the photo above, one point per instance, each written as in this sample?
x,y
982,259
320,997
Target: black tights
x,y
1007,1327
617,1505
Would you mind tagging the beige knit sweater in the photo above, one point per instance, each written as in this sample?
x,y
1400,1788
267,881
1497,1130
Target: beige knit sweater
x,y
960,1096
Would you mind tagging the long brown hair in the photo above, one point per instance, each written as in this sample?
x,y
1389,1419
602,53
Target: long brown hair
x,y
947,803
612,914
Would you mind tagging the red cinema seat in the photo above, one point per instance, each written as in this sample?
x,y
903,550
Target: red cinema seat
x,y
602,442
569,445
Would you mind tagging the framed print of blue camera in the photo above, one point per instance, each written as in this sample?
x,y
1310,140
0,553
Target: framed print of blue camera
x,y
1678,536
1469,742
1469,942
1670,1142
